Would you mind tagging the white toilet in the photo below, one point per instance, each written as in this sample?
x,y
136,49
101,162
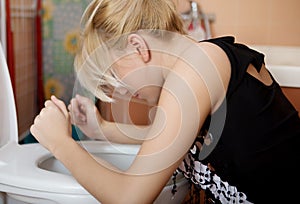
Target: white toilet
x,y
30,174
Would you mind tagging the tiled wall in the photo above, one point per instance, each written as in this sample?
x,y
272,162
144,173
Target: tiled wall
x,y
268,22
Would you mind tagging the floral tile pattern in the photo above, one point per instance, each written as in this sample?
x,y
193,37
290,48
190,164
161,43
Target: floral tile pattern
x,y
60,27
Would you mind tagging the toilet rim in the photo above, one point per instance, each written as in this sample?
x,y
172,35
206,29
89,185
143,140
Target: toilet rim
x,y
19,167
23,171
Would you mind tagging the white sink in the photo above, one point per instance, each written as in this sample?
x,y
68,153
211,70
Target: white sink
x,y
280,55
283,62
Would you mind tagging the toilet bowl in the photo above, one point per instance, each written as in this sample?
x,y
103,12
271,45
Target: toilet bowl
x,y
30,174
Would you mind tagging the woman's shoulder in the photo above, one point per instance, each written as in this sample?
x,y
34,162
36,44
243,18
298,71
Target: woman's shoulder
x,y
218,58
208,66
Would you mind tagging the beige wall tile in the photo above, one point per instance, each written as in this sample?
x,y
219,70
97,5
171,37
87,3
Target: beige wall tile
x,y
273,22
255,34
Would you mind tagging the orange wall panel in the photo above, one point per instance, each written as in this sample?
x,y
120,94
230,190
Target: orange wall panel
x,y
269,22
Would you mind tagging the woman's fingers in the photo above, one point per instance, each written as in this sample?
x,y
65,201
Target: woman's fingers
x,y
61,105
77,111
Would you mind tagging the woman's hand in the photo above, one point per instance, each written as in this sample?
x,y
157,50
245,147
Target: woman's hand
x,y
85,115
52,127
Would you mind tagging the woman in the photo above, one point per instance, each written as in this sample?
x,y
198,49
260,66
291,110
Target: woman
x,y
219,116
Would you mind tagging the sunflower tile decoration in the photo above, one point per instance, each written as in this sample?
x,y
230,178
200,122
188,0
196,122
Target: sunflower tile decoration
x,y
60,26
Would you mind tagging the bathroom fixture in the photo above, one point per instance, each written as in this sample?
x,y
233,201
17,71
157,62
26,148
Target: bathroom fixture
x,y
284,63
30,174
197,22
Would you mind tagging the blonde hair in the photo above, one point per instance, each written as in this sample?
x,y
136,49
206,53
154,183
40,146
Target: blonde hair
x,y
105,20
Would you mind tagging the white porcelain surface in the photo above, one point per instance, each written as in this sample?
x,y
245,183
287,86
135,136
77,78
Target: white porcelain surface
x,y
286,76
8,119
280,55
30,173
283,62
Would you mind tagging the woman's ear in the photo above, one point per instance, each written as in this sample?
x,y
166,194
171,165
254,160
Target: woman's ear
x,y
141,46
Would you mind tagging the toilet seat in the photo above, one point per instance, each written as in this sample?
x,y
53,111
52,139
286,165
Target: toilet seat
x,y
19,167
21,177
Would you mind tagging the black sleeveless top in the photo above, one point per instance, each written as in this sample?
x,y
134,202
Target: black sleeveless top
x,y
251,141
